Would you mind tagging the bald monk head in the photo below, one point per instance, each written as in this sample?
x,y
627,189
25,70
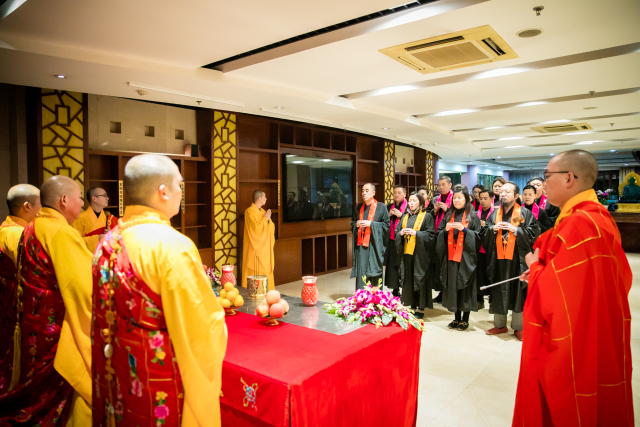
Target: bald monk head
x,y
23,201
154,180
64,195
568,174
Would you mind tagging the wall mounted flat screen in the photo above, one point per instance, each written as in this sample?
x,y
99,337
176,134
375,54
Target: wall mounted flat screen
x,y
316,189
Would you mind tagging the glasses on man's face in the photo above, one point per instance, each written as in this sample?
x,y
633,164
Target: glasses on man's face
x,y
101,195
547,174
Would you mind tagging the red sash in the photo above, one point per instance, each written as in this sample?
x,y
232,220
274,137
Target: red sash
x,y
535,209
543,202
455,248
364,234
112,221
394,221
505,249
482,251
41,394
440,213
135,374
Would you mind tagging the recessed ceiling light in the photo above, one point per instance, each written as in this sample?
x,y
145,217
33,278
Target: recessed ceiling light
x,y
279,108
590,108
385,128
60,76
510,138
515,146
529,32
493,127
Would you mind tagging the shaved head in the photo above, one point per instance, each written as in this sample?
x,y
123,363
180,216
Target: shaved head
x,y
144,174
583,165
55,187
20,194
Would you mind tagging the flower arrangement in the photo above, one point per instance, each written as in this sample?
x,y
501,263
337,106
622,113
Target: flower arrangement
x,y
214,277
603,196
371,305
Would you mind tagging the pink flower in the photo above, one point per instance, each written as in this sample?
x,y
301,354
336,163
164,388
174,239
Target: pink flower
x,y
119,408
156,341
32,340
161,412
50,328
131,303
136,387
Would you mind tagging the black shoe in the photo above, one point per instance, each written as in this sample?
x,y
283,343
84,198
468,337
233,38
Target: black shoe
x,y
463,326
454,325
438,298
396,292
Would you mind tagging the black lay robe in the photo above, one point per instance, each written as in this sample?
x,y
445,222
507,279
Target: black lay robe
x,y
481,278
414,271
552,211
459,278
543,219
368,261
391,255
510,295
437,284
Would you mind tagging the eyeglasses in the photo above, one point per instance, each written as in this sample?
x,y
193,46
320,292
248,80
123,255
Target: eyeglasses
x,y
101,195
546,173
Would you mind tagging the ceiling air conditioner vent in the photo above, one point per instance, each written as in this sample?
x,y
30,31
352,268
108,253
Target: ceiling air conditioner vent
x,y
462,49
563,128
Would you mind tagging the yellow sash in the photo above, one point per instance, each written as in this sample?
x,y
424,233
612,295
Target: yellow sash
x,y
409,240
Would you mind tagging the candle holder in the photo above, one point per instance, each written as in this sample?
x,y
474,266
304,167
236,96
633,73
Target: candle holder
x,y
227,274
310,291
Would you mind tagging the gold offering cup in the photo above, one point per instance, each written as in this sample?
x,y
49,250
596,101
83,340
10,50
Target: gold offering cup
x,y
257,287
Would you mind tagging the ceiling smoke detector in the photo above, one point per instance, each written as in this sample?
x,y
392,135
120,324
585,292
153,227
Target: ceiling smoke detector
x,y
530,32
142,92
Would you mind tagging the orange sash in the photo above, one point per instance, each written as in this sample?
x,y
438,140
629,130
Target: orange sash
x,y
505,248
364,234
455,249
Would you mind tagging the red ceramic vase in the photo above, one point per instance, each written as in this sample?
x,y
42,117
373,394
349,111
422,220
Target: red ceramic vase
x,y
227,274
309,291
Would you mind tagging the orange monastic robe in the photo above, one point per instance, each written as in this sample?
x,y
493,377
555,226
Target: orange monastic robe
x,y
259,240
576,356
90,227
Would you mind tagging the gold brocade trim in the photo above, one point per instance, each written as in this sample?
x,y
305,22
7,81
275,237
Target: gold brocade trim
x,y
148,220
587,239
46,216
560,339
573,370
10,225
583,261
612,385
587,395
535,324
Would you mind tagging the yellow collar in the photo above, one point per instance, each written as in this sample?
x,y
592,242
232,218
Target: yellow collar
x,y
586,196
50,212
259,209
15,220
138,212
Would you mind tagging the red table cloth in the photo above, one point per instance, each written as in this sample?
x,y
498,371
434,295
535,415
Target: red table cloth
x,y
289,375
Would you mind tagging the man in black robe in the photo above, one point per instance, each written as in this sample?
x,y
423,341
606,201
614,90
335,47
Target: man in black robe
x,y
441,204
396,210
482,279
552,211
326,210
305,208
508,260
529,202
370,239
292,206
414,265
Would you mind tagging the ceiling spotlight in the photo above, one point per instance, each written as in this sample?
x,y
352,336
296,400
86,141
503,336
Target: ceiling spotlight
x,y
60,76
385,128
279,108
530,32
538,10
613,151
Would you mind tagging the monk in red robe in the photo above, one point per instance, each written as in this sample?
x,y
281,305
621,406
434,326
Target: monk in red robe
x,y
576,358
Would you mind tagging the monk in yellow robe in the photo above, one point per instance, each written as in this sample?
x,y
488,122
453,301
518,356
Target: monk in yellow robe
x,y
93,223
259,240
51,380
165,367
23,201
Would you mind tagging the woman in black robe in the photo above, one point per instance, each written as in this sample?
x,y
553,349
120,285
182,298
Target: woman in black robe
x,y
415,241
458,278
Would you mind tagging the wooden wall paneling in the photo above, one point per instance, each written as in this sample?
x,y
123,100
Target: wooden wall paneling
x,y
303,136
320,255
420,165
308,257
332,253
291,230
289,261
338,141
322,139
389,171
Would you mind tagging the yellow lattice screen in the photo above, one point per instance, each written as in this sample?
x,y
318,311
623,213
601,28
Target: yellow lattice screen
x,y
431,161
225,189
62,134
389,171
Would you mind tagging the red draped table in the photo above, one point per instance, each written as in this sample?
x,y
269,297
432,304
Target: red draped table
x,y
289,375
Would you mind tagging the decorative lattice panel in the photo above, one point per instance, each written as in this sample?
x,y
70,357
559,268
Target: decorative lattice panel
x,y
389,171
431,162
224,189
62,134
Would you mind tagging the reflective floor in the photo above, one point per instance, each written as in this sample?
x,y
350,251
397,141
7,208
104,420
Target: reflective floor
x,y
469,379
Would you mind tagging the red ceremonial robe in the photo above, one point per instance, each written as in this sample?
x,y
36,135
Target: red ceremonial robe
x,y
576,356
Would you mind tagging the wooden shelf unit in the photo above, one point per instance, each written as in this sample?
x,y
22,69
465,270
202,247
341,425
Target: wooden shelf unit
x,y
413,180
105,169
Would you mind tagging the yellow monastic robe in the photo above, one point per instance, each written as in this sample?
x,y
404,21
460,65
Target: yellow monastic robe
x,y
88,222
169,263
10,234
259,240
72,264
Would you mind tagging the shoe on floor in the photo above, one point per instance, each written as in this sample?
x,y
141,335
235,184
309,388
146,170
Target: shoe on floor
x,y
518,335
463,326
453,325
495,331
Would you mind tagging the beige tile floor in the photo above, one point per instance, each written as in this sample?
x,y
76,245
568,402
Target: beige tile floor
x,y
469,379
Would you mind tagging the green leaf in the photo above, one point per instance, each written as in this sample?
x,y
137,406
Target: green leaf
x,y
386,319
402,323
